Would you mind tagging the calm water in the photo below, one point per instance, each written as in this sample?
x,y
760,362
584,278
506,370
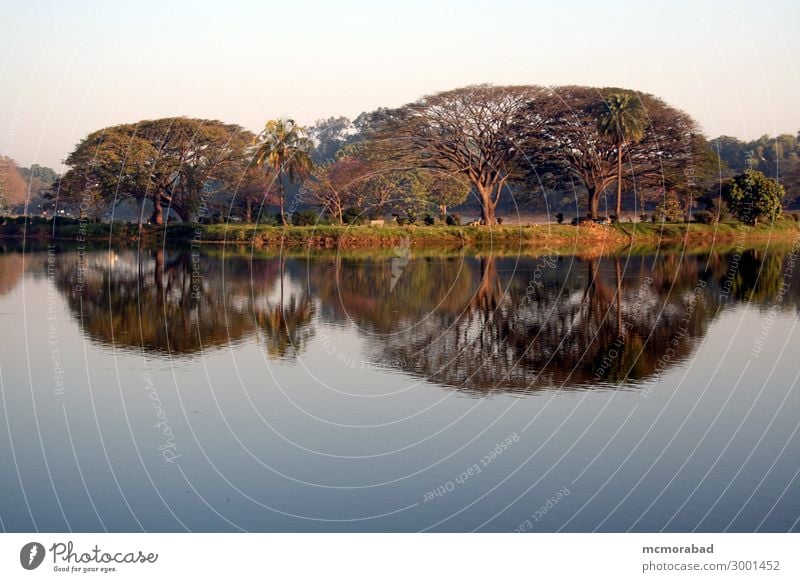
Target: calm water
x,y
171,391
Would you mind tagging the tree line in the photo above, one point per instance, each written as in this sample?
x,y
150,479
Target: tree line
x,y
539,148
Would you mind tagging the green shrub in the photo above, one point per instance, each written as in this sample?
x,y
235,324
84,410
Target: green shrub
x,y
305,218
668,210
453,220
560,218
353,216
428,220
704,217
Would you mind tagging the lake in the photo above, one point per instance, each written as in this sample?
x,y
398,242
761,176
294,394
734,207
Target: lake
x,y
227,389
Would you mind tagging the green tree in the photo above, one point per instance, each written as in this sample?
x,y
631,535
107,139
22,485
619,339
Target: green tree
x,y
444,190
468,131
284,148
562,143
13,190
624,122
171,161
752,195
110,165
669,209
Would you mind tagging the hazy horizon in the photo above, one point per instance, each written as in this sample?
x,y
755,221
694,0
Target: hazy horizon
x,y
67,70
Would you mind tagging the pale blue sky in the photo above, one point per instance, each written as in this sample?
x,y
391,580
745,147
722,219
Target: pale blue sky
x,y
67,68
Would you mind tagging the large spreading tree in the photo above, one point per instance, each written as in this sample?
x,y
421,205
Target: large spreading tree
x,y
172,162
468,131
564,140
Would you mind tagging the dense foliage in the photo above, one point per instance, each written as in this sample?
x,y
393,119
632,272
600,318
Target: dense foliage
x,y
529,147
752,195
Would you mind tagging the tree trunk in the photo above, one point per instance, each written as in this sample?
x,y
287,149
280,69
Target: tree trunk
x,y
158,212
593,195
281,195
443,211
248,212
619,184
487,206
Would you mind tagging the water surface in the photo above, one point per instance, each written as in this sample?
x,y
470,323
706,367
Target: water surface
x,y
224,390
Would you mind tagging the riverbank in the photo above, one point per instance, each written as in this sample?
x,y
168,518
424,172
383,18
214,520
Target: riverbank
x,y
588,240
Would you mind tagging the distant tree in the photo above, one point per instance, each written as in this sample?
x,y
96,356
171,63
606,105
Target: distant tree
x,y
329,187
623,122
284,147
330,136
467,131
13,189
752,195
776,157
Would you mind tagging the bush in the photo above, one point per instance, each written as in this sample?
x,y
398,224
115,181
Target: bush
x,y
668,210
704,217
429,220
500,220
305,218
796,216
453,220
643,217
353,216
411,217
560,218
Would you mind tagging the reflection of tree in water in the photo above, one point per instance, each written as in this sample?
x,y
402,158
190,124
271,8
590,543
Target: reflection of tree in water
x,y
476,323
153,303
758,278
285,325
180,302
573,329
11,268
361,290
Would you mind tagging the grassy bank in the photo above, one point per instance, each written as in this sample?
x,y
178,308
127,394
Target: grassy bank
x,y
592,239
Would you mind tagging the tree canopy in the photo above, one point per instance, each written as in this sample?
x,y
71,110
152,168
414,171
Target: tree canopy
x,y
468,131
752,195
167,161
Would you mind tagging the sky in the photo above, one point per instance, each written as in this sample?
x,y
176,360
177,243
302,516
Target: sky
x,y
70,67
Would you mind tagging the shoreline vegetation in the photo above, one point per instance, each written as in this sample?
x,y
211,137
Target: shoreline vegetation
x,y
590,239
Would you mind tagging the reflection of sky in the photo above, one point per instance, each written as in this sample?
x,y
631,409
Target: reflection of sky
x,y
296,436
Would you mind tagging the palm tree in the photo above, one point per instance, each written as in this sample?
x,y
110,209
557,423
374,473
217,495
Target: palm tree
x,y
284,148
624,122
